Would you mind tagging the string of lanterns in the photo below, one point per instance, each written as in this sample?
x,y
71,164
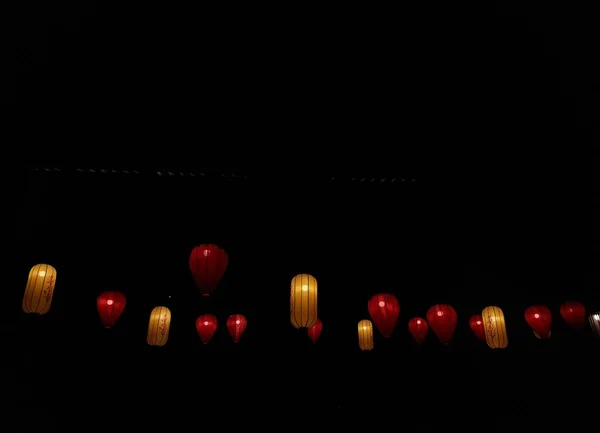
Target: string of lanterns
x,y
209,262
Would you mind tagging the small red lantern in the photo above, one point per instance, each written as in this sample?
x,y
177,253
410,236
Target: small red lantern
x,y
539,318
110,307
236,325
442,319
476,324
418,328
573,313
206,325
208,264
384,310
314,332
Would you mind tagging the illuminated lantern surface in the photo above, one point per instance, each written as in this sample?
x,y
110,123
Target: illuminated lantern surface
x,y
314,332
236,325
384,310
158,328
303,301
476,324
206,325
573,313
208,264
418,328
442,319
39,289
110,307
365,335
494,325
539,318
595,323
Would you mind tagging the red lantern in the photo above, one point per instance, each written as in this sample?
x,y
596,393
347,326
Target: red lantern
x,y
539,318
442,319
384,310
206,325
208,264
476,324
314,332
236,325
418,328
573,313
110,307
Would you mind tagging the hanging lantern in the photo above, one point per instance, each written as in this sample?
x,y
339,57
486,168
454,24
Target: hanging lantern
x,y
39,289
208,264
539,318
595,323
365,335
158,328
495,327
573,313
206,325
303,301
110,307
442,319
236,325
314,332
418,328
476,324
384,310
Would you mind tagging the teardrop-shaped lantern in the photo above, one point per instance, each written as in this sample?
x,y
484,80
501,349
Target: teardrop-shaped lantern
x,y
573,313
206,325
418,328
303,301
314,332
110,307
595,323
365,335
159,325
539,318
476,324
39,289
208,264
384,309
236,325
442,319
495,327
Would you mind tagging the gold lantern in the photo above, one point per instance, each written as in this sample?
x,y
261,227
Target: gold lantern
x,y
158,328
495,327
303,301
39,289
365,335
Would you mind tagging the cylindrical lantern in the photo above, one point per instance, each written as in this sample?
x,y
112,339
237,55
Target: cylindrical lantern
x,y
595,323
39,289
158,328
476,324
442,319
236,325
208,264
418,328
384,309
110,307
539,318
365,335
314,332
206,325
303,301
495,327
573,313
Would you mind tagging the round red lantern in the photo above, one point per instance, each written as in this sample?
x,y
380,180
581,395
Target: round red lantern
x,y
539,318
418,328
110,307
384,309
573,313
208,264
206,325
442,319
236,325
314,332
476,324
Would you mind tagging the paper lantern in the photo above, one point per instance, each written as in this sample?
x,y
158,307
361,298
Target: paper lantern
x,y
573,313
110,307
418,328
208,264
476,324
539,318
365,335
442,318
303,301
39,289
158,328
206,325
384,310
495,327
314,332
236,325
595,323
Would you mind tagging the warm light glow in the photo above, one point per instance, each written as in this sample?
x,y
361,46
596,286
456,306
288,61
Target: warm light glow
x,y
206,323
42,273
39,289
495,327
479,322
305,288
206,251
365,335
158,327
570,310
440,313
381,304
596,316
237,322
110,302
536,315
418,322
303,301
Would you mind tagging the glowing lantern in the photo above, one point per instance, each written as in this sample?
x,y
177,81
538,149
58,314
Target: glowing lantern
x,y
384,310
595,323
314,332
476,324
539,318
303,301
158,328
365,335
39,289
495,327
236,325
418,328
110,307
208,264
206,325
573,313
442,319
